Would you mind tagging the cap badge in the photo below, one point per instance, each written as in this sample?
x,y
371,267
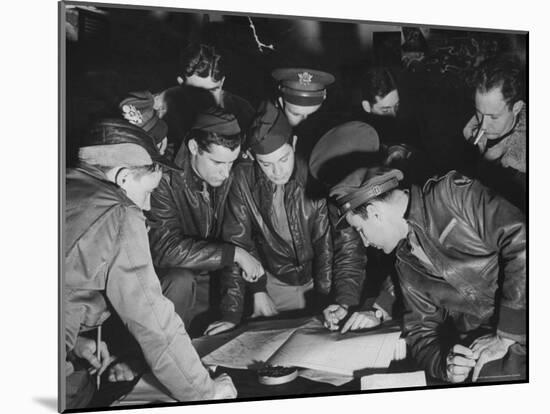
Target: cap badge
x,y
305,78
132,115
376,190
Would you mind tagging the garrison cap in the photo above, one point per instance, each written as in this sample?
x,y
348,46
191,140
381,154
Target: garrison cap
x,y
342,150
216,120
270,129
302,86
363,185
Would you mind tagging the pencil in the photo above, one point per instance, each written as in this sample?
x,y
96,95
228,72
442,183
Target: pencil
x,y
98,376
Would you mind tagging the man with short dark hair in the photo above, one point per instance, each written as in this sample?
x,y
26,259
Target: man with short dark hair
x,y
379,92
202,66
108,268
499,127
187,211
461,261
270,214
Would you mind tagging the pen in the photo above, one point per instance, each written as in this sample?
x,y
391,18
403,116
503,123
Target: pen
x,y
98,377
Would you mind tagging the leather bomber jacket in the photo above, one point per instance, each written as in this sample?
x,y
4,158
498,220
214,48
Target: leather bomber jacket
x,y
476,243
247,224
186,222
350,261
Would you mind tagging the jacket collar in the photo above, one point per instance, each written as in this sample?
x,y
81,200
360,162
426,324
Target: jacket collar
x,y
415,213
93,172
183,160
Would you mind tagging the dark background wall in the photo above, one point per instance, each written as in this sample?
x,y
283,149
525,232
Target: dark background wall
x,y
111,51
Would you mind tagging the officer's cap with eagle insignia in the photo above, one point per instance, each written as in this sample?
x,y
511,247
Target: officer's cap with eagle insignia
x,y
303,86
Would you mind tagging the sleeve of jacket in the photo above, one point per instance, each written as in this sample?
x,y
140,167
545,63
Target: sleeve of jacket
x,y
171,247
502,227
237,230
349,262
322,246
134,291
421,323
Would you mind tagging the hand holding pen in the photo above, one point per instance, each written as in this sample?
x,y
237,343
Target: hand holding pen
x,y
95,352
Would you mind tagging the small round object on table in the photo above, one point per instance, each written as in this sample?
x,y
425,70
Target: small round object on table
x,y
276,375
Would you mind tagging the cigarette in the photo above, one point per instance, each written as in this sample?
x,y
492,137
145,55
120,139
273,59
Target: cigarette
x,y
98,377
479,135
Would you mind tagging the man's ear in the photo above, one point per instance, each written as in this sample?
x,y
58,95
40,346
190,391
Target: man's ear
x,y
373,210
121,177
517,107
294,141
366,106
180,80
193,146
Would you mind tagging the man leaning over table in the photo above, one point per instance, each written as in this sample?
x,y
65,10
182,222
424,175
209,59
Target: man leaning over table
x,y
461,263
108,268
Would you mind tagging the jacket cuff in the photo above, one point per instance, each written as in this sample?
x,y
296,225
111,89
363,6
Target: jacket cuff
x,y
512,322
233,317
520,339
259,286
228,255
347,299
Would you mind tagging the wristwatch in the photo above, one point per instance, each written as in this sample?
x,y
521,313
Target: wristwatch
x,y
378,314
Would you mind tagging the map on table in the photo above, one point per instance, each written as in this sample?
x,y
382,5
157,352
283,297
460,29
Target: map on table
x,y
309,346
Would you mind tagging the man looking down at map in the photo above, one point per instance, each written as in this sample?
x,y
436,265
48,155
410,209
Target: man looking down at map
x,y
461,263
270,215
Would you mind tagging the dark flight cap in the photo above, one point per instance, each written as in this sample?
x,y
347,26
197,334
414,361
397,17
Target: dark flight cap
x,y
302,86
363,185
216,120
270,129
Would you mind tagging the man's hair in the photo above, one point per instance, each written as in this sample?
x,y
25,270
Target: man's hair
x,y
504,72
377,82
202,60
206,138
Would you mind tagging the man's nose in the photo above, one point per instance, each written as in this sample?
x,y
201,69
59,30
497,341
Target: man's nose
x,y
484,122
365,241
147,203
225,169
277,170
217,97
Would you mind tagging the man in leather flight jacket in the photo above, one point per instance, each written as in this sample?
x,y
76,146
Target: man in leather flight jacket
x,y
269,214
461,262
186,218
